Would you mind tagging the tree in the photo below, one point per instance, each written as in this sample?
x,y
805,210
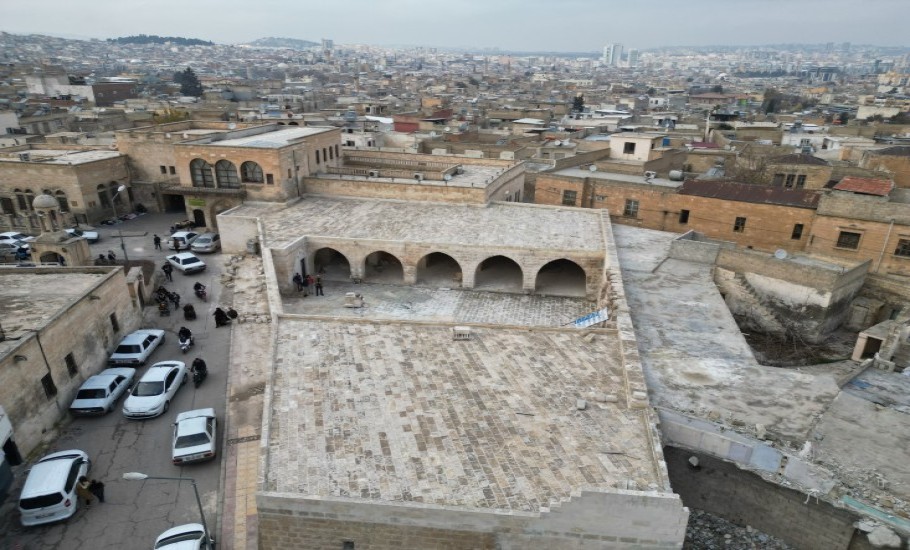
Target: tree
x,y
189,83
578,103
717,89
843,118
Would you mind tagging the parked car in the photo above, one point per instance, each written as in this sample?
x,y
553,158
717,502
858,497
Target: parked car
x,y
49,493
186,262
135,349
153,393
90,236
207,242
98,394
10,236
194,436
8,249
190,536
183,238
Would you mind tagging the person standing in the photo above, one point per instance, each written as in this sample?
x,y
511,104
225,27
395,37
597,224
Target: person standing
x,y
175,298
168,270
97,488
82,490
319,285
157,241
298,282
306,285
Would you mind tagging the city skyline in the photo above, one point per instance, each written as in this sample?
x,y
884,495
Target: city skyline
x,y
512,25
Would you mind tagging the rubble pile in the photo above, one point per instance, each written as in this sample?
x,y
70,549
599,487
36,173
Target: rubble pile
x,y
707,532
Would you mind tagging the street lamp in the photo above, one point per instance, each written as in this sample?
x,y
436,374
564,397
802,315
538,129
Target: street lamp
x,y
138,476
126,257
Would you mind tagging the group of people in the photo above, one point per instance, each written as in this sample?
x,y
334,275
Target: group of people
x,y
224,317
304,284
111,258
90,490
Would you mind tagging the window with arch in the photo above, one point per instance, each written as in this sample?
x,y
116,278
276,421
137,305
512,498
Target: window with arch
x,y
22,200
331,154
103,197
201,173
250,172
226,174
29,199
61,200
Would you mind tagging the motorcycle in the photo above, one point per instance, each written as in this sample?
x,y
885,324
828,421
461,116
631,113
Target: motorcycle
x,y
201,294
198,376
186,344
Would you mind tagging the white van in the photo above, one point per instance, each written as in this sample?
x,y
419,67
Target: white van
x,y
184,238
49,493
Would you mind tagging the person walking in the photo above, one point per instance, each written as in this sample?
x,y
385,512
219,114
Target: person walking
x,y
176,299
319,286
157,241
298,282
306,285
168,270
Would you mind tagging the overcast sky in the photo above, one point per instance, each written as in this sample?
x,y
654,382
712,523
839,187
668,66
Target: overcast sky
x,y
553,25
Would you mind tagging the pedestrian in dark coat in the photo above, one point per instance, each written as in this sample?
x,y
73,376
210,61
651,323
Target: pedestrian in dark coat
x,y
168,269
298,282
176,299
319,286
306,285
97,489
157,241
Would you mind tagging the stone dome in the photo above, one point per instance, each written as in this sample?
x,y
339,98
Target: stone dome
x,y
45,201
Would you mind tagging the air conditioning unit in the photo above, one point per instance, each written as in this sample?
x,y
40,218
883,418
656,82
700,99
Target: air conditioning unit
x,y
418,176
374,173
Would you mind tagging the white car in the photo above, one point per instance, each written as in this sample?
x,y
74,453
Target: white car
x,y
98,394
182,238
90,236
10,236
190,536
186,262
49,493
153,393
8,249
135,349
195,433
207,242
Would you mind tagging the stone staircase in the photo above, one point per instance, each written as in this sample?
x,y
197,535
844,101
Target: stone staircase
x,y
752,305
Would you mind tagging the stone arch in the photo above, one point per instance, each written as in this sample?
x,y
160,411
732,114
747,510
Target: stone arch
x,y
201,173
51,257
382,267
561,277
215,209
292,123
438,269
104,198
331,264
251,172
499,273
226,174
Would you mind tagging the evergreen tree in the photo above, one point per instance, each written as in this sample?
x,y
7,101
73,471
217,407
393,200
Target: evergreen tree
x,y
578,103
189,83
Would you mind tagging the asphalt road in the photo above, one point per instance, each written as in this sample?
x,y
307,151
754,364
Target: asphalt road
x,y
136,512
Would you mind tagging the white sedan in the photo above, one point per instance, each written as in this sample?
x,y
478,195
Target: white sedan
x,y
194,436
186,262
90,236
190,536
10,236
98,394
135,349
153,393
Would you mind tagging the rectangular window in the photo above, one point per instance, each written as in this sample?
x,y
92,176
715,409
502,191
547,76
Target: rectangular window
x,y
172,170
71,367
797,232
631,208
801,181
683,217
269,179
778,180
739,225
628,148
600,198
317,156
568,198
163,169
114,324
50,390
336,148
789,182
848,239
903,248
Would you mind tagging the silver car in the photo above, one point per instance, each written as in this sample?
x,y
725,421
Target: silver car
x,y
153,393
98,394
135,349
207,242
195,433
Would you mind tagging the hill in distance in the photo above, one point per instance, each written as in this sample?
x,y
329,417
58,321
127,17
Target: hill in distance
x,y
274,42
155,39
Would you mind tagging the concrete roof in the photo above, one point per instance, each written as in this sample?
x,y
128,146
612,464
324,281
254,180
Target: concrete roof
x,y
272,140
402,413
60,156
27,303
615,176
503,225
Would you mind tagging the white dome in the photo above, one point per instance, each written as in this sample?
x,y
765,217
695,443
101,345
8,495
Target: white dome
x,y
45,201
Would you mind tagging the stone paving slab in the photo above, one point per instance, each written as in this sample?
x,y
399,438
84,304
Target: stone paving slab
x,y
401,412
502,225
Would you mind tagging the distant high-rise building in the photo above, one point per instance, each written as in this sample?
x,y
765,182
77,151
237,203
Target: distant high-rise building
x,y
829,47
328,44
612,54
845,47
633,57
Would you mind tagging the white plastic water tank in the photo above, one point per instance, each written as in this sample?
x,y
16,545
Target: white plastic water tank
x,y
677,175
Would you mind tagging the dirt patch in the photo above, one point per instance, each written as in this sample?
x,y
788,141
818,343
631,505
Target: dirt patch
x,y
246,393
777,351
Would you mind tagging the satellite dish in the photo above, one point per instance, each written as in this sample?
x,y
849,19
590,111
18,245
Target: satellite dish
x,y
781,254
592,168
448,129
557,143
447,177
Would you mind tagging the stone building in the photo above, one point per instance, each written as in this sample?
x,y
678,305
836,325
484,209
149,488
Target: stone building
x,y
799,171
894,160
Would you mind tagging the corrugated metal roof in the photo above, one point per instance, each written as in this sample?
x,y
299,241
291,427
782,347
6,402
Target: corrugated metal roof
x,y
744,192
865,186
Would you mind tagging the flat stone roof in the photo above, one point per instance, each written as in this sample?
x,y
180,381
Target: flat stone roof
x,y
30,298
615,176
401,412
59,156
503,225
272,140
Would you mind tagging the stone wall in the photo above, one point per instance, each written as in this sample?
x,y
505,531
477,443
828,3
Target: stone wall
x,y
591,519
385,188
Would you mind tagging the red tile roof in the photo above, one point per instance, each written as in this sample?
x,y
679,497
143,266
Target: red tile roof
x,y
744,192
865,186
